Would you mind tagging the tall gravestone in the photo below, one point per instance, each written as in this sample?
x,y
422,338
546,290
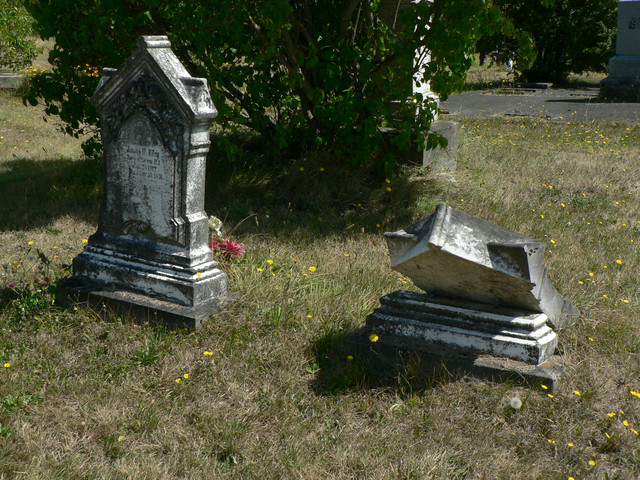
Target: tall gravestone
x,y
623,82
150,254
439,159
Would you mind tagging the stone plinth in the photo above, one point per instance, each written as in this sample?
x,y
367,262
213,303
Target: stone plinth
x,y
152,231
623,82
465,326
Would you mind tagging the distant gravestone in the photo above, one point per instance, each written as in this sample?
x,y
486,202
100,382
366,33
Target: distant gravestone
x,y
439,159
623,82
150,257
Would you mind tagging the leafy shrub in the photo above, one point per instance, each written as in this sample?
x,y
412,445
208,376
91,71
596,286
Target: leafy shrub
x,y
304,74
17,46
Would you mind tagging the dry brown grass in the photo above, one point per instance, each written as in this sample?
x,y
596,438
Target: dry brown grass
x,y
278,398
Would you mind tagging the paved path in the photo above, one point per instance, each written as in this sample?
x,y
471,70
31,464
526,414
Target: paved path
x,y
580,104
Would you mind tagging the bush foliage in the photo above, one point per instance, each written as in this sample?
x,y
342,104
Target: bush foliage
x,y
303,74
570,36
17,45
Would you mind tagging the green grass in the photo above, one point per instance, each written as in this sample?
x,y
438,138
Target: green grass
x,y
277,397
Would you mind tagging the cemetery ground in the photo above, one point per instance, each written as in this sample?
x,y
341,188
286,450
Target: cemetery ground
x,y
264,390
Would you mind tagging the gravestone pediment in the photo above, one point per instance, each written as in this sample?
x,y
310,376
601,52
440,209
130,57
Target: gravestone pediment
x,y
153,75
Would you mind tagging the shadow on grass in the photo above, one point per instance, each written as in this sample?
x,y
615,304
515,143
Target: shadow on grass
x,y
311,196
37,192
305,197
349,361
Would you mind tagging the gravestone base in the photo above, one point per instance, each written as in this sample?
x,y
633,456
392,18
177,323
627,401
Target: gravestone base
x,y
177,284
415,320
394,355
143,309
438,160
443,160
620,90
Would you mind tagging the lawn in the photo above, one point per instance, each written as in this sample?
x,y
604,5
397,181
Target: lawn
x,y
264,389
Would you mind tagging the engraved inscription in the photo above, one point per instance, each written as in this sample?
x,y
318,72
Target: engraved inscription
x,y
142,186
633,23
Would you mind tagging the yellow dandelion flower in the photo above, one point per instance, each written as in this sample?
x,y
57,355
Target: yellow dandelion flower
x,y
590,339
544,387
270,262
7,365
592,463
577,392
322,169
346,254
625,423
388,189
309,316
373,338
199,274
178,380
619,262
634,431
302,169
30,242
541,216
312,268
84,240
591,274
553,241
569,444
207,353
186,375
387,180
611,414
549,395
259,269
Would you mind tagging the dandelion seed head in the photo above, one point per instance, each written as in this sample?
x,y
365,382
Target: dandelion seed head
x,y
515,403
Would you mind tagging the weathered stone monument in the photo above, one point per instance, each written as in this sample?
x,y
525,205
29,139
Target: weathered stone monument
x,y
623,82
150,257
487,295
439,159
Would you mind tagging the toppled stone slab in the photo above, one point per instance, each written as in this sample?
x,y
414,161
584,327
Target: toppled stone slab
x,y
455,255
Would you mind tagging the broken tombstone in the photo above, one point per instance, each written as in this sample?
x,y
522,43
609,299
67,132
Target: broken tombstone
x,y
487,292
